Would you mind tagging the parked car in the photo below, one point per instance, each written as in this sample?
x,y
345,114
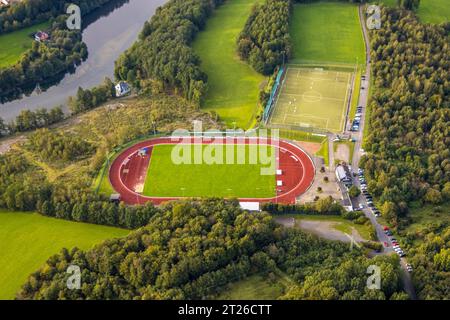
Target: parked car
x,y
409,268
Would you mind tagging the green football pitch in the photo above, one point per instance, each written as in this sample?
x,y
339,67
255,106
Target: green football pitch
x,y
328,32
168,179
312,97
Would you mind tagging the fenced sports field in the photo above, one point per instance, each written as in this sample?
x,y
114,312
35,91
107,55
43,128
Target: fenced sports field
x,y
311,97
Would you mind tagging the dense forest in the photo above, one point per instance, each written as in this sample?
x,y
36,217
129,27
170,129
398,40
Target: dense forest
x,y
265,41
409,140
163,56
408,145
28,12
51,171
191,249
46,62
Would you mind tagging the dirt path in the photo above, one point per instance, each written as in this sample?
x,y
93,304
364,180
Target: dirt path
x,y
342,152
323,229
7,143
326,229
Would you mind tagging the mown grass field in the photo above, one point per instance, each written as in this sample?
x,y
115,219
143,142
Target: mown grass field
x,y
233,84
252,288
27,240
430,11
14,44
167,179
434,11
312,97
324,152
328,32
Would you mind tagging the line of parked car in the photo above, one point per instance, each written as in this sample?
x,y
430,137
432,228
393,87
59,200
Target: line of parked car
x,y
376,212
357,120
395,245
367,195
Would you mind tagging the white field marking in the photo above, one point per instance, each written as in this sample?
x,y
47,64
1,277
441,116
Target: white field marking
x,y
272,198
302,95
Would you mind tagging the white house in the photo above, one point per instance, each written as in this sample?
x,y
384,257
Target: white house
x,y
122,88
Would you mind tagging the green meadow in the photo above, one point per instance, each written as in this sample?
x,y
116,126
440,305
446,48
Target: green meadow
x,y
328,32
14,44
27,240
233,84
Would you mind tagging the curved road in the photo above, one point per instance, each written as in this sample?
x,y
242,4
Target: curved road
x,y
358,136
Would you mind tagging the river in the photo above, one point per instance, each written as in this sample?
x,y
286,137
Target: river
x,y
109,31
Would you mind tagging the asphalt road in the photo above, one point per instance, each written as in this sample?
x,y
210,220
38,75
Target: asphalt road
x,y
358,136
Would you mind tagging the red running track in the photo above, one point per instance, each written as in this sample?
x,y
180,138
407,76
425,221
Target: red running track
x,y
128,171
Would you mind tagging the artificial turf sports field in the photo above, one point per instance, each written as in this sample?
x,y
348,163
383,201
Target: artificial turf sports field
x,y
233,85
27,240
312,97
167,179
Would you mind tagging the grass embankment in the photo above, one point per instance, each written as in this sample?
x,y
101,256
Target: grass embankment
x,y
27,240
324,152
301,136
351,149
434,11
233,86
328,32
14,44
